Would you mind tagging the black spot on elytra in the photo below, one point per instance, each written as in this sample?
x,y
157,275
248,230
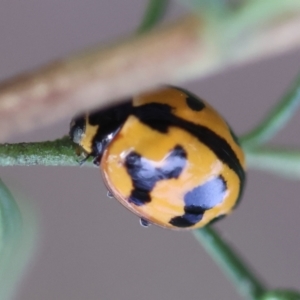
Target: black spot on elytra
x,y
187,220
139,196
194,103
145,175
155,115
200,199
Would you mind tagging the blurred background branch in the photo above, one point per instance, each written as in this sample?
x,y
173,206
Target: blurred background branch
x,y
193,46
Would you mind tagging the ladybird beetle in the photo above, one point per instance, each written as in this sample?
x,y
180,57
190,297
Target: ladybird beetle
x,y
167,156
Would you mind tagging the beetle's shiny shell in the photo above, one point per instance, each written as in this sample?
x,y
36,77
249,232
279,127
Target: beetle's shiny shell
x,y
174,162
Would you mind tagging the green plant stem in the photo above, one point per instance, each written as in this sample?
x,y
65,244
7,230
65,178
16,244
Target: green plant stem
x,y
281,294
16,243
253,14
216,8
279,161
60,152
10,235
245,13
245,281
275,120
154,13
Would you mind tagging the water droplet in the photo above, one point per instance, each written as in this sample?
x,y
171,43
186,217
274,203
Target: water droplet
x,y
109,194
144,222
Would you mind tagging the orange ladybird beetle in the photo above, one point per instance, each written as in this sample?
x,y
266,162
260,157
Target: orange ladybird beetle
x,y
167,156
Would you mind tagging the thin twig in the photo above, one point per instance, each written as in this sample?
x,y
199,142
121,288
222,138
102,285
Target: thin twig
x,y
276,160
60,152
276,119
234,267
